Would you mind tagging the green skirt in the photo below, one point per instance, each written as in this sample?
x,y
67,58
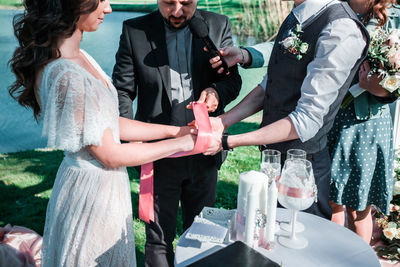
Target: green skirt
x,y
362,161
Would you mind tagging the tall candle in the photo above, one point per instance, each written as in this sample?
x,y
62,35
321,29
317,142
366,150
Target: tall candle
x,y
253,199
271,213
246,181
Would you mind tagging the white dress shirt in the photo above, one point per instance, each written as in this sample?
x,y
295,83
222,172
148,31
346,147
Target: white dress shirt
x,y
339,46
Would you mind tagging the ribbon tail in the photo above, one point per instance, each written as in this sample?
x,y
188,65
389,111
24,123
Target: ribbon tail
x,y
146,196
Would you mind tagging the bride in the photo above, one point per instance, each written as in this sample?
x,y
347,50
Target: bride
x,y
89,215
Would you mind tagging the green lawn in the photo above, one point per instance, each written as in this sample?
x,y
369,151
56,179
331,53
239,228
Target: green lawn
x,y
26,180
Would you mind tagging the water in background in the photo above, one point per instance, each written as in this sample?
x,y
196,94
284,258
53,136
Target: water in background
x,y
18,129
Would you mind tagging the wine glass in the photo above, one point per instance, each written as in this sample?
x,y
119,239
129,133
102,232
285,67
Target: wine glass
x,y
271,164
294,154
296,191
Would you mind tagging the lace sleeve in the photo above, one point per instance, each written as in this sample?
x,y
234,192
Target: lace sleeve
x,y
71,112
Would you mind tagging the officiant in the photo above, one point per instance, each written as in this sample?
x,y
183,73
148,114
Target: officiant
x,y
317,52
164,66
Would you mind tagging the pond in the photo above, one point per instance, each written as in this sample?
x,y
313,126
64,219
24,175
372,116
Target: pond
x,y
18,129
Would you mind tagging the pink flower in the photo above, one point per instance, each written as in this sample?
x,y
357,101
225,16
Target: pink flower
x,y
394,38
394,57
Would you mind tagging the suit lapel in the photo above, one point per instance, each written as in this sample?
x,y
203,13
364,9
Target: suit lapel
x,y
159,45
197,57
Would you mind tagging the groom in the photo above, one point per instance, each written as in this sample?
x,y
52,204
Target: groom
x,y
161,63
303,88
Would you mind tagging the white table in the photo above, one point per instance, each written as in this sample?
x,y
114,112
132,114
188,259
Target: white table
x,y
329,245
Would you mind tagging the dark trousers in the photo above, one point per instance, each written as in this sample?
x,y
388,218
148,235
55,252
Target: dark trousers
x,y
321,163
190,180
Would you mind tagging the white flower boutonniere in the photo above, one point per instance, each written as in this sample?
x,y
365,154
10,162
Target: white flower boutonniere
x,y
293,44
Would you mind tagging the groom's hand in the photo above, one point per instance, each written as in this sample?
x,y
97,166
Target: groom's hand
x,y
210,97
217,131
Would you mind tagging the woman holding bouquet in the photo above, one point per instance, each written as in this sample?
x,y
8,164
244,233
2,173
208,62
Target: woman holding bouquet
x,y
361,140
89,214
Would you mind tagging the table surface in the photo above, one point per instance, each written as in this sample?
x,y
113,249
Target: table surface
x,y
329,245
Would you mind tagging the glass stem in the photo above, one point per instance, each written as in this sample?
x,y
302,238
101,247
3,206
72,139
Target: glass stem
x,y
294,218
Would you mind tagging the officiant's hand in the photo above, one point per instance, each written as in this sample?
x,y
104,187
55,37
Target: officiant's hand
x,y
210,97
371,84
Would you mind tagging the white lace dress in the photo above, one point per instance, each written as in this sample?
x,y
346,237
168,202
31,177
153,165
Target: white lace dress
x,y
89,215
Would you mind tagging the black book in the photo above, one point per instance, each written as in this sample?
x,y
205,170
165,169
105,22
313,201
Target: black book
x,y
235,255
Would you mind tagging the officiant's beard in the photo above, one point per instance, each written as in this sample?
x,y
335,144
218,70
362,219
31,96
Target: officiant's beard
x,y
180,25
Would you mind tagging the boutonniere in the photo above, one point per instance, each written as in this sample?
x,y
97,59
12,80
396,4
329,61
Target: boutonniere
x,y
293,44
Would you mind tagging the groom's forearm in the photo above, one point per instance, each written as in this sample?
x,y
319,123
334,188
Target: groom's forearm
x,y
133,130
251,104
279,131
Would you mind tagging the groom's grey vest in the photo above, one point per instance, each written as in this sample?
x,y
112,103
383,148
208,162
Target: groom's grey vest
x,y
286,74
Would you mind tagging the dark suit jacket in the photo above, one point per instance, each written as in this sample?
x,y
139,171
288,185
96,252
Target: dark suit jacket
x,y
142,68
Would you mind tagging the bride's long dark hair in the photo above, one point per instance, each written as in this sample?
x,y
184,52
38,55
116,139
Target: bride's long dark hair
x,y
38,30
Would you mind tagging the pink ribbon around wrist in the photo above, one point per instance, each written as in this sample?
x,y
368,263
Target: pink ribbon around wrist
x,y
146,193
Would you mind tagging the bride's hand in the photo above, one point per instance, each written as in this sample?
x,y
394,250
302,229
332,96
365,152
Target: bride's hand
x,y
187,141
185,130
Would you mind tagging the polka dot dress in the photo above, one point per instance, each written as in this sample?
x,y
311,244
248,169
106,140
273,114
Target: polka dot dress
x,y
362,160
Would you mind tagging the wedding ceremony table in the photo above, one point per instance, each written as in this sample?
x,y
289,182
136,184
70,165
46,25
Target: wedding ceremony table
x,y
329,245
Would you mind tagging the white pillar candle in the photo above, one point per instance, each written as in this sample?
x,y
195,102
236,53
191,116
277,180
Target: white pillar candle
x,y
253,199
246,181
271,212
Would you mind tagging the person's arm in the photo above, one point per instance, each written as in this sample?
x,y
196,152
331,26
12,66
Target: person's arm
x,y
227,87
123,75
249,105
133,130
249,57
259,55
339,47
114,155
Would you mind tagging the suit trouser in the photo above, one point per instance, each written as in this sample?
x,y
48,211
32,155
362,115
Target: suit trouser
x,y
321,163
191,180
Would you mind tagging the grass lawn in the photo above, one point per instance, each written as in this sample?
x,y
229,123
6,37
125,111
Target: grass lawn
x,y
26,180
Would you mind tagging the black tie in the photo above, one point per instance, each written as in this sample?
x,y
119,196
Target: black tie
x,y
289,23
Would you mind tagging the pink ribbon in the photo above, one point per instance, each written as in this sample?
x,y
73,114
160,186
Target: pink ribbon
x,y
294,192
146,195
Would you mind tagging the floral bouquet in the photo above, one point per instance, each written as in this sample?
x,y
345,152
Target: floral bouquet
x,y
390,225
384,60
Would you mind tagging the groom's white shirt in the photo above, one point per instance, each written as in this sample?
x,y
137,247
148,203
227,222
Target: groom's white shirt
x,y
337,50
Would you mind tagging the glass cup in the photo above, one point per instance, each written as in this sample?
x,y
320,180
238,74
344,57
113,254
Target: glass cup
x,y
296,154
271,164
296,191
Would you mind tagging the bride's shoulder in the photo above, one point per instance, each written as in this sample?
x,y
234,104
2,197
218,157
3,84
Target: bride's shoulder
x,y
58,68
